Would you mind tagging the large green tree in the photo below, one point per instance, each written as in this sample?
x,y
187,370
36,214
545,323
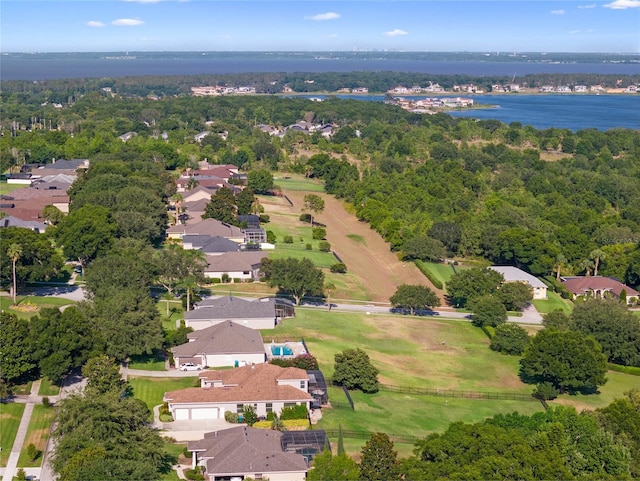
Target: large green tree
x,y
353,369
474,282
414,297
313,203
260,181
16,348
299,277
379,461
327,467
222,207
487,311
568,360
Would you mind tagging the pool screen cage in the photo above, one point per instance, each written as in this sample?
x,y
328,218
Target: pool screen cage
x,y
318,387
308,443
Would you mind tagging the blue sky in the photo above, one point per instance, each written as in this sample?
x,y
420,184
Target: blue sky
x,y
299,25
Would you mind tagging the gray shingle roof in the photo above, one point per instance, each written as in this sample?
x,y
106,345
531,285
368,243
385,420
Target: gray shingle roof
x,y
224,338
513,274
229,308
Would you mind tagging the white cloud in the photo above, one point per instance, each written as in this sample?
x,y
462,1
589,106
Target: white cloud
x,y
323,16
557,12
127,22
593,5
332,35
94,23
573,32
395,33
623,4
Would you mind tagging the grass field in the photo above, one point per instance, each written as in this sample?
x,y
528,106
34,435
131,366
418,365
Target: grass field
x,y
30,305
48,389
174,450
553,302
618,383
299,182
153,362
442,272
38,434
6,188
151,390
10,416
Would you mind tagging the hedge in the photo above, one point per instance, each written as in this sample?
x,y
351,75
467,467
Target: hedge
x,y
632,370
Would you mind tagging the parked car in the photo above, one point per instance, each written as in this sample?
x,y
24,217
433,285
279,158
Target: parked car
x,y
189,366
78,269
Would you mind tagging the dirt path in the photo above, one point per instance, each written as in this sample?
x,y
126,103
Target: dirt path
x,y
365,253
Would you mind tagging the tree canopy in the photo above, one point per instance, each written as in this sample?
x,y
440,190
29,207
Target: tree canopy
x,y
299,277
414,297
354,370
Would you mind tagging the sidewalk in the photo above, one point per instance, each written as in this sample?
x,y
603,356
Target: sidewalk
x,y
12,464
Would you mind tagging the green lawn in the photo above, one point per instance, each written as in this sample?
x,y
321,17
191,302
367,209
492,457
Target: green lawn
x,y
38,434
553,302
30,305
175,451
10,416
151,390
298,182
153,362
47,388
618,383
298,251
6,188
442,272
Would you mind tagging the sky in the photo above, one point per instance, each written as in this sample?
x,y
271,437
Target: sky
x,y
611,26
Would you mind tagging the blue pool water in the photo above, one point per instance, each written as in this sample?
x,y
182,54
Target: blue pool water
x,y
281,351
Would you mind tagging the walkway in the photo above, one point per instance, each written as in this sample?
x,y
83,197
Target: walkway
x,y
12,464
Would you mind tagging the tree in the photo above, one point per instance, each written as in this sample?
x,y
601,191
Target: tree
x,y
474,282
509,339
424,248
354,370
222,207
515,295
556,319
260,181
14,252
299,277
379,459
615,328
414,297
175,264
568,360
103,376
313,203
15,348
327,467
487,311
244,201
86,233
596,255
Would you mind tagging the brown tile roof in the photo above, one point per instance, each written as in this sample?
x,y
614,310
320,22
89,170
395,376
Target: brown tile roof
x,y
246,450
254,383
224,338
583,285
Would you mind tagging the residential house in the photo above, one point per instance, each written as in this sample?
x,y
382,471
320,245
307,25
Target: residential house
x,y
61,182
224,344
598,287
209,227
513,274
237,266
246,452
211,245
266,387
200,137
28,203
127,136
263,313
10,221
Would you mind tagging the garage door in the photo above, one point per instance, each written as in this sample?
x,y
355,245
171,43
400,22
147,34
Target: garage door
x,y
204,413
181,414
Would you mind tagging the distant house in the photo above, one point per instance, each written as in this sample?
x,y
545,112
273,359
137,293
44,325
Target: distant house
x,y
224,344
210,227
127,136
246,452
212,245
513,274
267,387
598,287
237,265
200,137
10,221
263,313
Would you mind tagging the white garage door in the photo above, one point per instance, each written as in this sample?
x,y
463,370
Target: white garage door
x,y
204,413
182,414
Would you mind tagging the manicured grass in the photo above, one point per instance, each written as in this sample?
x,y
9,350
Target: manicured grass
x,y
10,416
38,434
299,183
412,415
22,389
408,351
553,302
618,383
151,390
320,259
153,362
175,312
47,388
442,272
174,450
6,188
29,306
348,286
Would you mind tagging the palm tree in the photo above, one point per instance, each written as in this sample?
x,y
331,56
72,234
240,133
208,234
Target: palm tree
x,y
597,255
560,260
14,252
329,286
585,265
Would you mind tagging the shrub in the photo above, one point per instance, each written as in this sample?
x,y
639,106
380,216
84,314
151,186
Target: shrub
x,y
225,278
295,412
237,280
424,268
194,474
231,417
288,239
215,280
324,246
308,246
305,218
264,218
249,414
338,268
545,391
271,237
509,339
21,475
319,233
32,452
303,361
166,418
46,402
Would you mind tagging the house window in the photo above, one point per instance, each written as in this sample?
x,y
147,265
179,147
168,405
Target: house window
x,y
303,384
258,476
269,407
239,408
246,273
289,405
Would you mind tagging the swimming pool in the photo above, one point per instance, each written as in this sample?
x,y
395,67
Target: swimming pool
x,y
281,351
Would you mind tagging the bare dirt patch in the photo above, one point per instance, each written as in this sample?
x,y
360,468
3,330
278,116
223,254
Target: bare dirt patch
x,y
370,259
